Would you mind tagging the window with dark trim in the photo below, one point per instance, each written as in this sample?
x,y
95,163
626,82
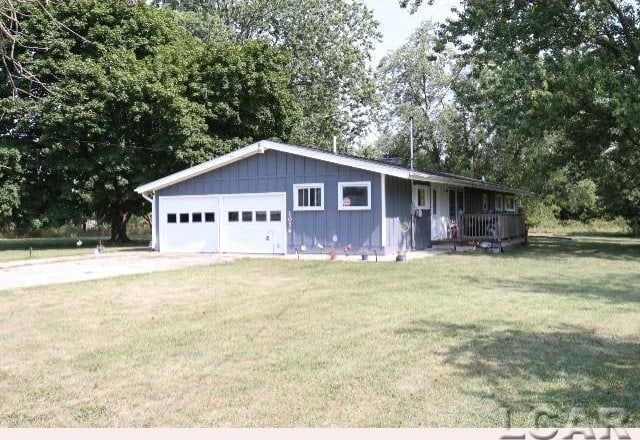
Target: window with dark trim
x,y
275,216
209,217
196,217
434,202
234,216
184,217
247,216
261,216
509,204
172,218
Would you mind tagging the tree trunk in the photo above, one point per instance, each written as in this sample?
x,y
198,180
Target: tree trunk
x,y
119,220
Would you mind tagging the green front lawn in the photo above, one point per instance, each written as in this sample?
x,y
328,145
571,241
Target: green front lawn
x,y
32,248
445,341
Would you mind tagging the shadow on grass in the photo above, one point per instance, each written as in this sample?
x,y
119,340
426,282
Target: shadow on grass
x,y
616,288
557,369
563,247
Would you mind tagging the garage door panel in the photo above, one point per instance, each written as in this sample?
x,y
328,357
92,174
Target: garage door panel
x,y
189,224
254,223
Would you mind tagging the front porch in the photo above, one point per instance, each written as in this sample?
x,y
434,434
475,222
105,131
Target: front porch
x,y
488,230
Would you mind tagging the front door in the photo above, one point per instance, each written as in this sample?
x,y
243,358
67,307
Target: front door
x,y
421,217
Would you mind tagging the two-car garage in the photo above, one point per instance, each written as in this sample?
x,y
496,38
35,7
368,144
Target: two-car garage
x,y
234,223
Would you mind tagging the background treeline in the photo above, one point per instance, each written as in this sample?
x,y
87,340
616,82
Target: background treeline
x,y
98,97
539,94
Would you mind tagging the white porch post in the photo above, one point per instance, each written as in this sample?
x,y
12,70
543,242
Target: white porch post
x,y
383,204
154,232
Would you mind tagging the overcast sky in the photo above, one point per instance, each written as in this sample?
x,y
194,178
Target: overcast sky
x,y
397,24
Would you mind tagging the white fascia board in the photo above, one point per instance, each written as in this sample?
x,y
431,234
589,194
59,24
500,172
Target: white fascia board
x,y
261,147
424,177
326,156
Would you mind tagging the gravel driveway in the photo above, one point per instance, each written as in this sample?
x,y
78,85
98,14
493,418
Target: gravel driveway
x,y
27,273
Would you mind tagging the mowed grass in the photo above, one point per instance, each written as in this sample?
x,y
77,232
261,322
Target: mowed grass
x,y
444,341
34,248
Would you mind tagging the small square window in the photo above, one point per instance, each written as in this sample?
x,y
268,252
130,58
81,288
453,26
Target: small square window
x,y
261,216
209,217
234,216
247,216
275,216
196,217
184,218
171,218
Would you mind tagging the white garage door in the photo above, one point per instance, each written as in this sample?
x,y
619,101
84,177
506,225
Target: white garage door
x,y
189,224
253,223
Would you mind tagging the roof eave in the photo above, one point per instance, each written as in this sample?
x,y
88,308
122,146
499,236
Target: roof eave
x,y
416,175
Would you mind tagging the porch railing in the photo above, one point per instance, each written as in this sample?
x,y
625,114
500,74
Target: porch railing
x,y
491,227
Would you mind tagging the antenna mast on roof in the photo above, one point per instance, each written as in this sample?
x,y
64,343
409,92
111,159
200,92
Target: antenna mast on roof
x,y
411,143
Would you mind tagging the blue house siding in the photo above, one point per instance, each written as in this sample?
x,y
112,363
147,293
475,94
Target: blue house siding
x,y
276,171
398,207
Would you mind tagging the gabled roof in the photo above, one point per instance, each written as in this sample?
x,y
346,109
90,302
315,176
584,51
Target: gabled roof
x,y
323,155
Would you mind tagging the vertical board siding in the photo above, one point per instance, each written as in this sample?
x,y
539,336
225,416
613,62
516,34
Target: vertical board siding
x,y
398,201
275,171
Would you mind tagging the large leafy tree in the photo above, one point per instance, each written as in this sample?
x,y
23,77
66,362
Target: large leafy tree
x,y
417,81
565,70
329,42
128,96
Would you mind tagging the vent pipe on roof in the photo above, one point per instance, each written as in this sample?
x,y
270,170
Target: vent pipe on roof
x,y
411,143
335,145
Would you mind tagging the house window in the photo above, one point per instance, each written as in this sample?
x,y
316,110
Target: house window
x,y
354,195
308,197
485,202
420,196
452,204
275,216
261,216
434,202
184,218
171,218
509,203
234,216
196,217
247,216
499,202
209,217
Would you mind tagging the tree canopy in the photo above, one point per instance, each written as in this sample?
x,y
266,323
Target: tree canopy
x,y
132,99
558,81
329,42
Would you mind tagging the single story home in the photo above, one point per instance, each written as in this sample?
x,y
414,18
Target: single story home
x,y
275,198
